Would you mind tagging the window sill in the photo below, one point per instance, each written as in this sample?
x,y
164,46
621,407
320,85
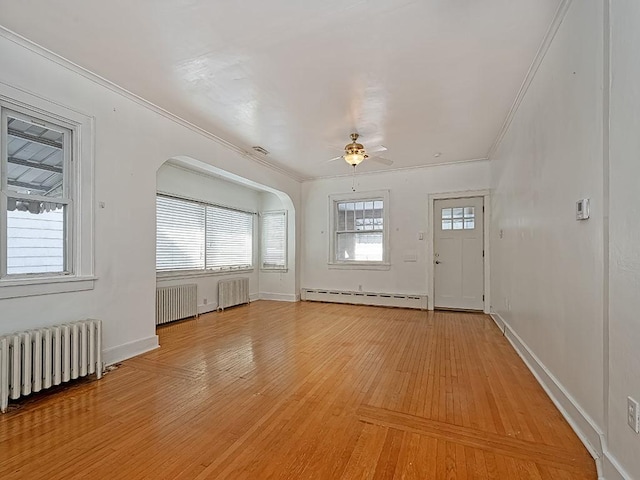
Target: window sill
x,y
28,287
360,266
274,270
167,276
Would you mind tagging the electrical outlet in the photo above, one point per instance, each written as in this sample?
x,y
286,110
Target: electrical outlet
x,y
632,414
204,301
359,288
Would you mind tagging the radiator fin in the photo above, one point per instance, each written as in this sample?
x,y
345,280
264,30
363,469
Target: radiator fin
x,y
38,359
176,302
234,291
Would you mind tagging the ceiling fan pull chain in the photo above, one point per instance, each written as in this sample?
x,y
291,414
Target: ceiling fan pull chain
x,y
353,180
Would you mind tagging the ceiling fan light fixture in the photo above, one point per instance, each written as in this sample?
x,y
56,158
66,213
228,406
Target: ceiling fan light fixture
x,y
354,153
354,159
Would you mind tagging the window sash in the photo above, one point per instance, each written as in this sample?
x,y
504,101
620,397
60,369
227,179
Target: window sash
x,y
273,249
30,255
357,219
197,236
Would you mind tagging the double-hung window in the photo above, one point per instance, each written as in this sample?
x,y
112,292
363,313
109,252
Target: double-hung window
x,y
273,249
359,229
197,236
46,197
36,196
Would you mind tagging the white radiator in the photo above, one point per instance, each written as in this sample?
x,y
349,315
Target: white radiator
x,y
233,292
37,359
175,303
365,298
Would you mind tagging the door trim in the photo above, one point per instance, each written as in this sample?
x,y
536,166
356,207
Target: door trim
x,y
486,194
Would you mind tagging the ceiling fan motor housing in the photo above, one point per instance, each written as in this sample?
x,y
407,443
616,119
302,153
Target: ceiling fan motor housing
x,y
354,153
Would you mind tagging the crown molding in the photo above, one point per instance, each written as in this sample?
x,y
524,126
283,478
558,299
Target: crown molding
x,y
108,84
558,18
398,169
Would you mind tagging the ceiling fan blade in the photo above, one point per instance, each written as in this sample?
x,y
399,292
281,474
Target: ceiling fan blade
x,y
334,159
379,148
384,161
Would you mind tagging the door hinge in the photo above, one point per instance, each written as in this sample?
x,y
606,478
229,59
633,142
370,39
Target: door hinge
x,y
482,208
483,298
482,253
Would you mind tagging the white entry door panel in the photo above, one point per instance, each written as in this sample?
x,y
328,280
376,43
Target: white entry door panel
x,y
458,251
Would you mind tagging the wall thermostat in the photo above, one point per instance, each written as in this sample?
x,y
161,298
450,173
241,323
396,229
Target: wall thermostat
x,y
582,209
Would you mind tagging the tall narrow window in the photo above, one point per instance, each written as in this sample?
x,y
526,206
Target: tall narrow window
x,y
37,198
274,240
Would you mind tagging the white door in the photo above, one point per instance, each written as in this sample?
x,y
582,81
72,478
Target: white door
x,y
459,253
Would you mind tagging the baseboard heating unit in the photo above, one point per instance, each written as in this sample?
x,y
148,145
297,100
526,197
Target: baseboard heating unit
x,y
234,291
38,359
365,298
176,303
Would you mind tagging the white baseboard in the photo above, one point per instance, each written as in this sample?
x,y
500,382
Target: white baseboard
x,y
280,297
612,470
128,350
253,297
584,427
209,307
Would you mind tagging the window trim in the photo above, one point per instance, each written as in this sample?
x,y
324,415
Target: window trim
x,y
206,271
80,180
384,264
284,268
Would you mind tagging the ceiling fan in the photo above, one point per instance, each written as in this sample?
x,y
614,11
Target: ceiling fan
x,y
355,153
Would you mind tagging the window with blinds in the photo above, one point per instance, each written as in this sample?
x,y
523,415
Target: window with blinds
x,y
274,240
229,238
199,236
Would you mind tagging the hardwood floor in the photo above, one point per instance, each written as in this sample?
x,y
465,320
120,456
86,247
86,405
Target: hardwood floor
x,y
305,390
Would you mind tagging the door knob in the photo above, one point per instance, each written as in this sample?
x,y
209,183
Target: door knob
x,y
438,262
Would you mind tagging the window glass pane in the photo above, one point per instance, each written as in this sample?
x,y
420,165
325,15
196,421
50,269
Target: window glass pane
x,y
274,241
446,224
469,224
229,238
179,234
35,159
446,213
457,212
469,211
457,224
378,205
360,247
35,237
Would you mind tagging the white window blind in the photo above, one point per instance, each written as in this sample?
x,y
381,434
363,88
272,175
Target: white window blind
x,y
274,240
197,236
229,238
180,234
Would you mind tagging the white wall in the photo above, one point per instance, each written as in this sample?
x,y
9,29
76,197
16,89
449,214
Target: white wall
x,y
408,195
131,142
198,186
624,240
547,269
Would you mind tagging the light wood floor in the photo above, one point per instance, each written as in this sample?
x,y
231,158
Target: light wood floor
x,y
306,390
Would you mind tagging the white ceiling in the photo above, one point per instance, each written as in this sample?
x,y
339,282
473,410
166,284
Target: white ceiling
x,y
296,77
